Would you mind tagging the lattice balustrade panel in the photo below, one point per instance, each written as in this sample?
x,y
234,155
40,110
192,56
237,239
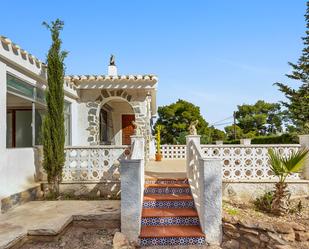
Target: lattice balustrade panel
x,y
173,151
95,164
247,162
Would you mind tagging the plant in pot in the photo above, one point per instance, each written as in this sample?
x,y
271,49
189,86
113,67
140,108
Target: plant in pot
x,y
158,141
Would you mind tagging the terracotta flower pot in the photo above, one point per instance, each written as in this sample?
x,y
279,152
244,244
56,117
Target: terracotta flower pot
x,y
158,157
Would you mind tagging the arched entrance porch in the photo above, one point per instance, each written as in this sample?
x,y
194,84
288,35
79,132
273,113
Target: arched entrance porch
x,y
115,121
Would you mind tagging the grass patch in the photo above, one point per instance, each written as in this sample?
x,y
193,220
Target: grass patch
x,y
232,211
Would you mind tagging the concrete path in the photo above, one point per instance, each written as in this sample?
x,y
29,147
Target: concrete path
x,y
166,169
51,217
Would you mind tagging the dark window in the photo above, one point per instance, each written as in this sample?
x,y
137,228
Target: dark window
x,y
103,127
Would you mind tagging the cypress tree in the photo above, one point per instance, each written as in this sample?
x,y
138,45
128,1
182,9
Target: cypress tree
x,y
53,124
298,99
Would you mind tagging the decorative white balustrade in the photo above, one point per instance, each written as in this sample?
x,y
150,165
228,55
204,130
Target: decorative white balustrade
x,y
170,151
93,163
239,162
205,179
247,162
101,163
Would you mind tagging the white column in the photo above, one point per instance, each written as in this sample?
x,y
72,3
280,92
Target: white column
x,y
210,188
304,142
197,141
3,107
245,141
132,189
33,124
152,148
138,142
205,178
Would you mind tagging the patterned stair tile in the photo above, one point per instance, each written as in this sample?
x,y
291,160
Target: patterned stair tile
x,y
168,204
166,190
166,181
169,216
170,221
172,241
168,201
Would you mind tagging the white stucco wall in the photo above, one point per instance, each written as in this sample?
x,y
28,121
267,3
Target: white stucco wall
x,y
16,165
2,127
79,118
18,171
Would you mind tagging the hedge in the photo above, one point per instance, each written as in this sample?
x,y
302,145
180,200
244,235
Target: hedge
x,y
283,139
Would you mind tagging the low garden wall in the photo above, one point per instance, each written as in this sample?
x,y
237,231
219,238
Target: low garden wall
x,y
240,162
246,174
244,233
250,190
93,171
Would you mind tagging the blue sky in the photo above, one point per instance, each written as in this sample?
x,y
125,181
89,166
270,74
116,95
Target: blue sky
x,y
216,54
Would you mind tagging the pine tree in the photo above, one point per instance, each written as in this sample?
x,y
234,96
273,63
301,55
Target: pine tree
x,y
298,99
53,124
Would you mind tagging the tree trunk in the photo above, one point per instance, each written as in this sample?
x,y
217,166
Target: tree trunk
x,y
280,203
54,187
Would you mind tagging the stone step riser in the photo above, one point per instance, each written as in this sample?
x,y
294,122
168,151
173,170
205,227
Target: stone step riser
x,y
168,204
177,241
170,221
166,191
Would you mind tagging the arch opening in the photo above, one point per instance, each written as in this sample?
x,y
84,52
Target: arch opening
x,y
115,122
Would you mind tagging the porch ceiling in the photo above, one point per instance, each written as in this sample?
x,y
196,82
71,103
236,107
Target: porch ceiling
x,y
15,101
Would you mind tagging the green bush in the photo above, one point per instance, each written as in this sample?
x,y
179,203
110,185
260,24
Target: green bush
x,y
263,203
235,141
283,139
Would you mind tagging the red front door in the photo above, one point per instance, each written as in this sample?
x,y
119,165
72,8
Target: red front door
x,y
127,128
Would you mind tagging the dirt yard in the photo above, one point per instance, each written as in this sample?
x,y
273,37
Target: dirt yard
x,y
78,238
248,210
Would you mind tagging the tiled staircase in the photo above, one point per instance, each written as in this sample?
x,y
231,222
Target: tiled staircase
x,y
169,216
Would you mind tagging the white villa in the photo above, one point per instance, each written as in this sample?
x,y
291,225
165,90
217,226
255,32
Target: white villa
x,y
108,122
99,110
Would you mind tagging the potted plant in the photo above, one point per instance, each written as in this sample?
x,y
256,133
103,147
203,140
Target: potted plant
x,y
283,166
158,141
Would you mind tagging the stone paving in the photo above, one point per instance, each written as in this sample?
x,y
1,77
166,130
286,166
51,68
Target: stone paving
x,y
166,168
39,218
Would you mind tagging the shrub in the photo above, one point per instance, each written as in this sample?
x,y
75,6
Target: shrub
x,y
263,203
283,139
236,141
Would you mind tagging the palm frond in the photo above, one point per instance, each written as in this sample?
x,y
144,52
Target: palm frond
x,y
295,161
284,166
276,164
